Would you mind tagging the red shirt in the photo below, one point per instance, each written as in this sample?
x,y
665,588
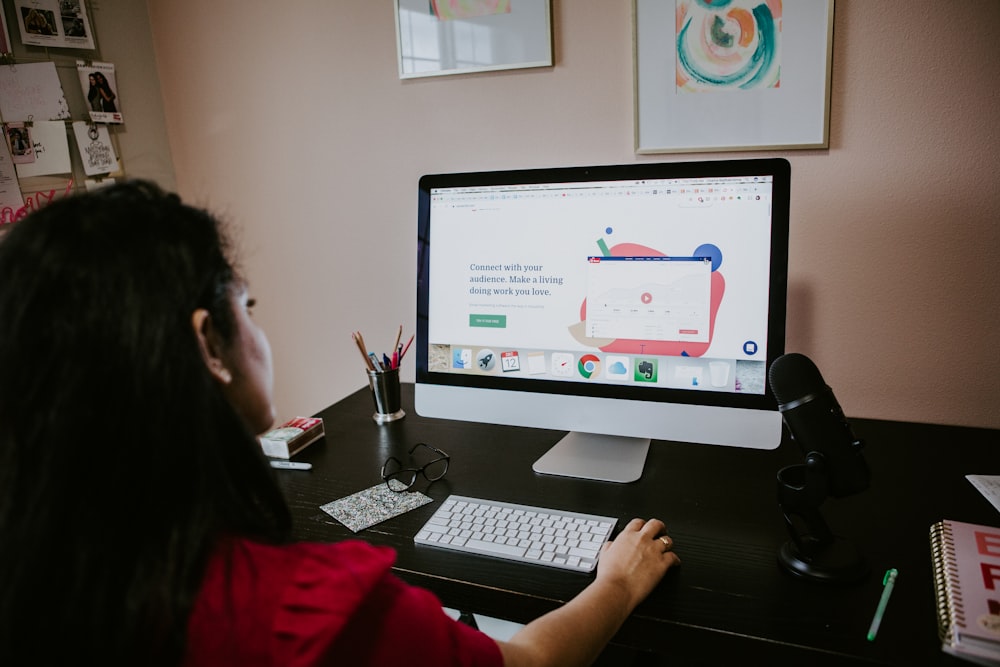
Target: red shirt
x,y
321,604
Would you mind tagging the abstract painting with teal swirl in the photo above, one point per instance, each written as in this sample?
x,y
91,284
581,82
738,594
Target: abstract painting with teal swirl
x,y
728,44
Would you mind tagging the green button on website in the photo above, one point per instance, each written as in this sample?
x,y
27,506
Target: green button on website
x,y
488,321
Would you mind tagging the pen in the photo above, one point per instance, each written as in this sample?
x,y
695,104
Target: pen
x,y
888,582
291,465
407,347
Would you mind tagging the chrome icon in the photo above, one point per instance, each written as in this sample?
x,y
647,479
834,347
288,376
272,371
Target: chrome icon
x,y
589,366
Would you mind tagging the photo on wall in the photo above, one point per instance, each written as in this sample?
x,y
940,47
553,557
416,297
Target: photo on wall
x,y
100,88
18,137
54,23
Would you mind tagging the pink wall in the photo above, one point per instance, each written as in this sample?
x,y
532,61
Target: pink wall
x,y
290,119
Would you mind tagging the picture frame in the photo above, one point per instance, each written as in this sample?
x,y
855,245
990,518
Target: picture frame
x,y
753,75
443,37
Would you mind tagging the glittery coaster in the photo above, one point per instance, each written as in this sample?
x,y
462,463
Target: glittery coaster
x,y
371,506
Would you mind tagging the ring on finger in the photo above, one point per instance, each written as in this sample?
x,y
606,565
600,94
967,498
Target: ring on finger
x,y
666,540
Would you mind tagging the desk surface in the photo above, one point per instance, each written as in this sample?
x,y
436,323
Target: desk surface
x,y
729,597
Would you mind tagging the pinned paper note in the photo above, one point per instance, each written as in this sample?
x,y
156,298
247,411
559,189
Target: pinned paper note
x,y
11,201
54,23
100,87
51,150
31,91
96,151
91,184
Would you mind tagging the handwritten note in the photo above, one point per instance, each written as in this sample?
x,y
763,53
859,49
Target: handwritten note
x,y
51,150
11,200
32,91
96,151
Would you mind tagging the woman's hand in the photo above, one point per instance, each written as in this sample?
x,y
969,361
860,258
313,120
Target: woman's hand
x,y
574,634
638,558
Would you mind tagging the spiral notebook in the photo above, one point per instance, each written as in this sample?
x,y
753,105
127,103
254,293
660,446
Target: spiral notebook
x,y
966,560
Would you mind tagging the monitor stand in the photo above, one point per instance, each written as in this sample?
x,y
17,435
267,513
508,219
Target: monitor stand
x,y
608,458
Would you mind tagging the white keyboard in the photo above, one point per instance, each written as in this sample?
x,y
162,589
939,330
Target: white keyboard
x,y
518,532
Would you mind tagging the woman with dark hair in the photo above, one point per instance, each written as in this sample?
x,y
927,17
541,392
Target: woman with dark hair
x,y
99,95
139,521
93,94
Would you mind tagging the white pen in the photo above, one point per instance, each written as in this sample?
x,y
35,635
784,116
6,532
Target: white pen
x,y
291,465
887,585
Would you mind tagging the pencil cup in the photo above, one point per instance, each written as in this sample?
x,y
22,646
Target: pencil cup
x,y
385,393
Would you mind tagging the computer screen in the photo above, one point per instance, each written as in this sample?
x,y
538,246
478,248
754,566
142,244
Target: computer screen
x,y
620,303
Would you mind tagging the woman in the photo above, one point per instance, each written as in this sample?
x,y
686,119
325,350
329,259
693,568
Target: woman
x,y
139,521
18,146
94,94
99,95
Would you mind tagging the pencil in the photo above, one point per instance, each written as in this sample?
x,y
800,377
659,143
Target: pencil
x,y
406,348
398,336
360,342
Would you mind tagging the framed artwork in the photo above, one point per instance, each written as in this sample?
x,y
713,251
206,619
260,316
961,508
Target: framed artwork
x,y
439,37
731,75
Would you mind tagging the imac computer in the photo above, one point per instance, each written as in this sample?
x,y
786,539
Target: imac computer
x,y
619,303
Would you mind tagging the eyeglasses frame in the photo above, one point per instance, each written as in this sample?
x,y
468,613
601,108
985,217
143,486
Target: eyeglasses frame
x,y
422,470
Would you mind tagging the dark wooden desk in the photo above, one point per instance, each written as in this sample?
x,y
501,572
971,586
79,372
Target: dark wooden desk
x,y
729,598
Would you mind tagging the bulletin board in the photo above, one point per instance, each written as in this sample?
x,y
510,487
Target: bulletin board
x,y
60,107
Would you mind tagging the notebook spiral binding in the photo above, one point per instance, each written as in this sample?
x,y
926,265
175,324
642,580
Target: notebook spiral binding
x,y
950,609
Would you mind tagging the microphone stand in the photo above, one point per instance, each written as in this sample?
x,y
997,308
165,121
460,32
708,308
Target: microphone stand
x,y
814,551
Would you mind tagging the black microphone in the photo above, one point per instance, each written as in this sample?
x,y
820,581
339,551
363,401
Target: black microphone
x,y
817,423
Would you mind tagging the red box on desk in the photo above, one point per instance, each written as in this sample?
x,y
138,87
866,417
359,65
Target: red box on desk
x,y
292,437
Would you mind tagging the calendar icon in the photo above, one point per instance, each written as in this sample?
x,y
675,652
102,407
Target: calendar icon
x,y
509,361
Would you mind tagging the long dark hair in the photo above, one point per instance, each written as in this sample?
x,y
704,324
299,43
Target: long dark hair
x,y
121,462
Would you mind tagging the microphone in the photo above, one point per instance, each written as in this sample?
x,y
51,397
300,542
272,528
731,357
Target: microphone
x,y
834,466
817,423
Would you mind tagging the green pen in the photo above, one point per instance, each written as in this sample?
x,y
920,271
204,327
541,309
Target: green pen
x,y
887,582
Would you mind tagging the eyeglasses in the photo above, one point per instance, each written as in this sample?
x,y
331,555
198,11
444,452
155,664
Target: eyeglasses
x,y
400,479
